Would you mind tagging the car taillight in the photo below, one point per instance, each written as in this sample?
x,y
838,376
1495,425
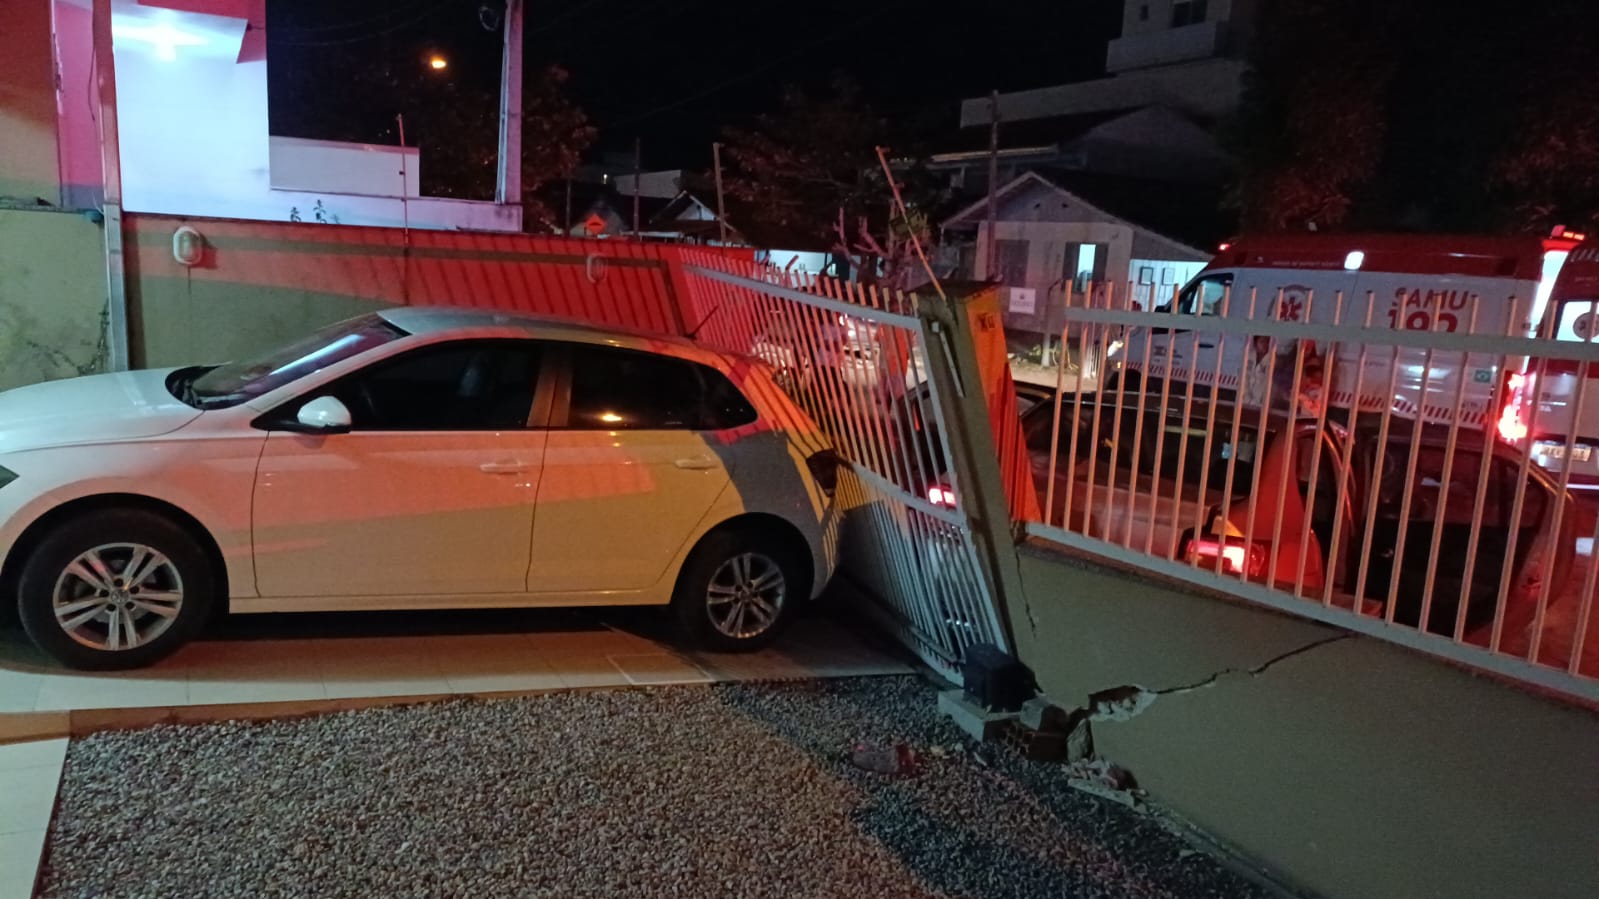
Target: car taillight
x,y
824,468
1239,558
939,495
1518,386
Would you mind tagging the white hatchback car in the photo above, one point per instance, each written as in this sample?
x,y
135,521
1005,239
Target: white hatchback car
x,y
412,459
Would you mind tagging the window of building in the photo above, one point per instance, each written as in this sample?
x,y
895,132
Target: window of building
x,y
1187,12
1010,262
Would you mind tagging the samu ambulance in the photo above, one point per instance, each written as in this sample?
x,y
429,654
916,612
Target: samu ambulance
x,y
1498,286
1567,392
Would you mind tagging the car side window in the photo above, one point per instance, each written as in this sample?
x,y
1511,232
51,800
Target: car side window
x,y
616,389
1457,499
1204,296
451,387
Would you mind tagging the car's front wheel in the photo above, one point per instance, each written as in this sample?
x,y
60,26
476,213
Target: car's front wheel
x,y
115,589
737,591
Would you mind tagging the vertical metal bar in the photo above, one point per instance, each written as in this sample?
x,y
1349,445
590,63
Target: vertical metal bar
x,y
1291,429
1238,421
118,351
1585,611
1391,602
508,187
1138,431
1210,415
1518,506
1190,375
1264,420
879,409
1077,422
849,395
1347,450
1054,433
1484,470
1116,423
1160,446
1329,365
1381,456
1099,419
1560,511
1447,475
807,353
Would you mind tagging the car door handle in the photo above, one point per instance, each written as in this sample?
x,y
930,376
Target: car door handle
x,y
503,467
1207,346
696,463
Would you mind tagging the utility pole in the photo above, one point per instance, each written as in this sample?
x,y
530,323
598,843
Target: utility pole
x,y
638,167
508,185
993,182
721,209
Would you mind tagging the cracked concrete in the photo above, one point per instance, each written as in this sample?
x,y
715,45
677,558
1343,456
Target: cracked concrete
x,y
1125,702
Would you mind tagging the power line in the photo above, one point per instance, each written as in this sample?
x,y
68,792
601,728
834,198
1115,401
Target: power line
x,y
405,8
355,39
751,73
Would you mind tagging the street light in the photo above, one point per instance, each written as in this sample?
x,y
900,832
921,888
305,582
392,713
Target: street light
x,y
437,62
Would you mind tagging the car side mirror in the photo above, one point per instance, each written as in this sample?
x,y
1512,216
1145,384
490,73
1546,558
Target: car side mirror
x,y
323,415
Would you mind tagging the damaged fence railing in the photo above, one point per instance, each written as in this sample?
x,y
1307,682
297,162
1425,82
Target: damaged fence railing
x,y
854,358
1424,477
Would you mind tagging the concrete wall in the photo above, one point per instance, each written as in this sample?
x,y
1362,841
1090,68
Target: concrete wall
x,y
52,295
1353,767
300,163
1046,260
29,163
193,140
260,284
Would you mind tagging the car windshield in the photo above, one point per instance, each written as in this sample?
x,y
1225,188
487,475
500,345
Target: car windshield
x,y
237,382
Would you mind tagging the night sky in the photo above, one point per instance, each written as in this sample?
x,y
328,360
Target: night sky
x,y
674,72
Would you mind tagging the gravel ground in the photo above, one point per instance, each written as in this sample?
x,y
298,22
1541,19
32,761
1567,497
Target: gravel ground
x,y
737,790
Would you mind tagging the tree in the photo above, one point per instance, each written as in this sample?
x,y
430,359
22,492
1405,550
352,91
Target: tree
x,y
812,169
453,121
1362,114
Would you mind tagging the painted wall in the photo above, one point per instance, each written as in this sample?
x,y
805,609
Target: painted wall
x,y
1048,243
299,163
260,284
1354,768
193,132
82,169
29,164
52,295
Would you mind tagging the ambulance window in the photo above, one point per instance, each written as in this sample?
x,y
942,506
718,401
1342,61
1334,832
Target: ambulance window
x,y
1579,321
1204,296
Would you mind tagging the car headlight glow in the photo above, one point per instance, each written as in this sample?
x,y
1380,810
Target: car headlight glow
x,y
6,476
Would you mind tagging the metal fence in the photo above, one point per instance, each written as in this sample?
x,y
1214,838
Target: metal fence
x,y
1424,480
856,359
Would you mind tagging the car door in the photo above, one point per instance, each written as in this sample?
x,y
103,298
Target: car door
x,y
628,473
431,491
1450,506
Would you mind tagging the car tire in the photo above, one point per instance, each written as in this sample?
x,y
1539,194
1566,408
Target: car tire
x,y
69,610
738,590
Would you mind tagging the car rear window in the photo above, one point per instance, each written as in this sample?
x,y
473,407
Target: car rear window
x,y
620,389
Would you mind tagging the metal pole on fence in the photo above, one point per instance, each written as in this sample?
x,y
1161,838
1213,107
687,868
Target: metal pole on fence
x,y
638,171
508,181
721,208
993,182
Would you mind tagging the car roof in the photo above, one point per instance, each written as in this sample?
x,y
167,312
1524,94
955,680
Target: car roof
x,y
431,320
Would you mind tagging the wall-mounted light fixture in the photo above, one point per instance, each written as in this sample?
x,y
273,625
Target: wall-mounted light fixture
x,y
187,246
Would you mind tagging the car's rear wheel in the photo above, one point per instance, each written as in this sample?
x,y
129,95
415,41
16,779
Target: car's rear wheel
x,y
115,589
738,591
